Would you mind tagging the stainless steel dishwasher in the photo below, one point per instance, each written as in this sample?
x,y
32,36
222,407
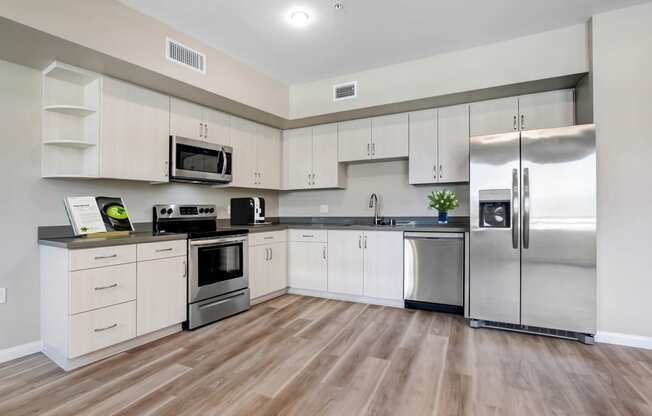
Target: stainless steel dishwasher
x,y
434,271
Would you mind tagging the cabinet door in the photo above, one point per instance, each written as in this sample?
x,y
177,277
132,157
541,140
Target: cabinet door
x,y
297,158
161,299
216,127
186,119
389,138
243,141
423,147
278,279
135,125
354,140
268,156
494,116
260,269
307,266
453,144
383,264
547,110
345,262
325,167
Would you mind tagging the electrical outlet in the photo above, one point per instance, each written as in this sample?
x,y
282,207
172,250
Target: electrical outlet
x,y
323,209
3,295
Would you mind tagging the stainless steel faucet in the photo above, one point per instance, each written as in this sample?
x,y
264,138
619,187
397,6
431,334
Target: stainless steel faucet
x,y
373,203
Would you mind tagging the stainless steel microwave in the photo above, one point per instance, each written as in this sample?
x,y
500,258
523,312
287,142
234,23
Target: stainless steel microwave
x,y
197,161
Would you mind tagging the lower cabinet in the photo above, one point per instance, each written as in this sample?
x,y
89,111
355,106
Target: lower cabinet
x,y
308,265
162,297
268,270
368,263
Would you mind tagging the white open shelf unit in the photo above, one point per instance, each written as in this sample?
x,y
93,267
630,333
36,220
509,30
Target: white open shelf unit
x,y
71,122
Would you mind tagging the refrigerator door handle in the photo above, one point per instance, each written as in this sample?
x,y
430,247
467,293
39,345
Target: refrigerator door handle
x,y
526,208
515,206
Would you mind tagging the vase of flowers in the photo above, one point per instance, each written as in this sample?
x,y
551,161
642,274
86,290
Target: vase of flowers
x,y
443,202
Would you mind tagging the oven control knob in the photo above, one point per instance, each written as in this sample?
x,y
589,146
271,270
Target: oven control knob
x,y
211,210
170,211
163,211
201,210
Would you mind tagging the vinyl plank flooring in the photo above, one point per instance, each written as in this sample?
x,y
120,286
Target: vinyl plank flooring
x,y
297,355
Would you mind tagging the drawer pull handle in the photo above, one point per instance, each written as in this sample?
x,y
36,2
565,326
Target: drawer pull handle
x,y
271,237
106,287
106,328
160,250
307,236
112,256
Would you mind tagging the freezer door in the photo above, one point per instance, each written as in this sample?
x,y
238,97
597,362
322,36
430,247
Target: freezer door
x,y
559,225
494,280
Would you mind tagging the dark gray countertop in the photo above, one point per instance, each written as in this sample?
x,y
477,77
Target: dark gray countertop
x,y
58,236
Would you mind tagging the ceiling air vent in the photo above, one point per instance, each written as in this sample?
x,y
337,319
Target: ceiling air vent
x,y
181,54
345,91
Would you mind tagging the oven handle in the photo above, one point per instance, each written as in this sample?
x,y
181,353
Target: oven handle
x,y
217,242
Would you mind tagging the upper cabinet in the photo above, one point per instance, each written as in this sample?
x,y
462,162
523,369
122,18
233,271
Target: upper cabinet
x,y
194,121
375,138
439,145
310,158
256,155
135,124
527,112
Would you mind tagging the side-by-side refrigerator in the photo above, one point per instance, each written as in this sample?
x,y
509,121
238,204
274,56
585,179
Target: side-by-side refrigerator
x,y
533,231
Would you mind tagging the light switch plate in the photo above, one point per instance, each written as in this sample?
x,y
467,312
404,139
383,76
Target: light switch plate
x,y
323,209
3,295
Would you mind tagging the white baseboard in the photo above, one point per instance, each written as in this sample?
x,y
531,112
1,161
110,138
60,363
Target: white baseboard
x,y
349,298
624,339
20,351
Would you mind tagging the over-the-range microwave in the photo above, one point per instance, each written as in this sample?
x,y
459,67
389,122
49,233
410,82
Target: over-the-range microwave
x,y
196,161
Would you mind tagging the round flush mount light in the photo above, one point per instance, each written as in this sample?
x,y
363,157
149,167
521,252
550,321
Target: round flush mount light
x,y
299,18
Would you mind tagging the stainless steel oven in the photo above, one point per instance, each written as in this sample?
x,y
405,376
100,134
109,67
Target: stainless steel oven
x,y
200,162
218,278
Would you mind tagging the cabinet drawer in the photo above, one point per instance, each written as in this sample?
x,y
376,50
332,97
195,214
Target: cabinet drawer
x,y
101,328
268,237
100,287
161,250
315,236
101,257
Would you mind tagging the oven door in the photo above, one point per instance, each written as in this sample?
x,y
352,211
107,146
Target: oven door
x,y
198,161
217,266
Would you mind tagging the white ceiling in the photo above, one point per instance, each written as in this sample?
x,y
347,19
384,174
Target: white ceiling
x,y
365,34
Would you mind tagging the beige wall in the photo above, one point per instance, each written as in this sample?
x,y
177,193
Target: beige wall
x,y
112,28
622,60
545,55
28,201
389,180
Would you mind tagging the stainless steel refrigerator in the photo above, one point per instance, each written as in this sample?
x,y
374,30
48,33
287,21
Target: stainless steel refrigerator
x,y
533,225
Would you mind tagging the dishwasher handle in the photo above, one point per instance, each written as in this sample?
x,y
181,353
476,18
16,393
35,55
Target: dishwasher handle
x,y
433,236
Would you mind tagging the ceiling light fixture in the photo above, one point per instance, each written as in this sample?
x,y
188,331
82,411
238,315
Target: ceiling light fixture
x,y
299,18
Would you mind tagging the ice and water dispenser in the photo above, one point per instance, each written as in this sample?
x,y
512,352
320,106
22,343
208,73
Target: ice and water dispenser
x,y
495,208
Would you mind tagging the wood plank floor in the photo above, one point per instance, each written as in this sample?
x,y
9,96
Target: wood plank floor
x,y
298,355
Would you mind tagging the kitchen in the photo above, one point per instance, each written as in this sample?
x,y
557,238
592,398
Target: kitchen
x,y
317,164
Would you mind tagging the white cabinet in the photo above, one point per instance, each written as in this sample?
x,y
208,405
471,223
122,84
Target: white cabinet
x,y
527,112
354,140
268,263
310,159
308,260
383,137
194,121
345,262
389,136
135,132
383,264
439,145
162,299
453,144
268,157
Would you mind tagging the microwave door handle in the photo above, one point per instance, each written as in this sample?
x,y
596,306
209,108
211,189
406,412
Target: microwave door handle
x,y
225,162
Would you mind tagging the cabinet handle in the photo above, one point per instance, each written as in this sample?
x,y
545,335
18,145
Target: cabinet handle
x,y
368,149
271,254
359,241
205,130
515,123
365,242
323,252
161,250
266,254
307,235
200,130
522,121
309,179
106,328
185,269
166,168
373,149
441,171
112,256
106,287
271,237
